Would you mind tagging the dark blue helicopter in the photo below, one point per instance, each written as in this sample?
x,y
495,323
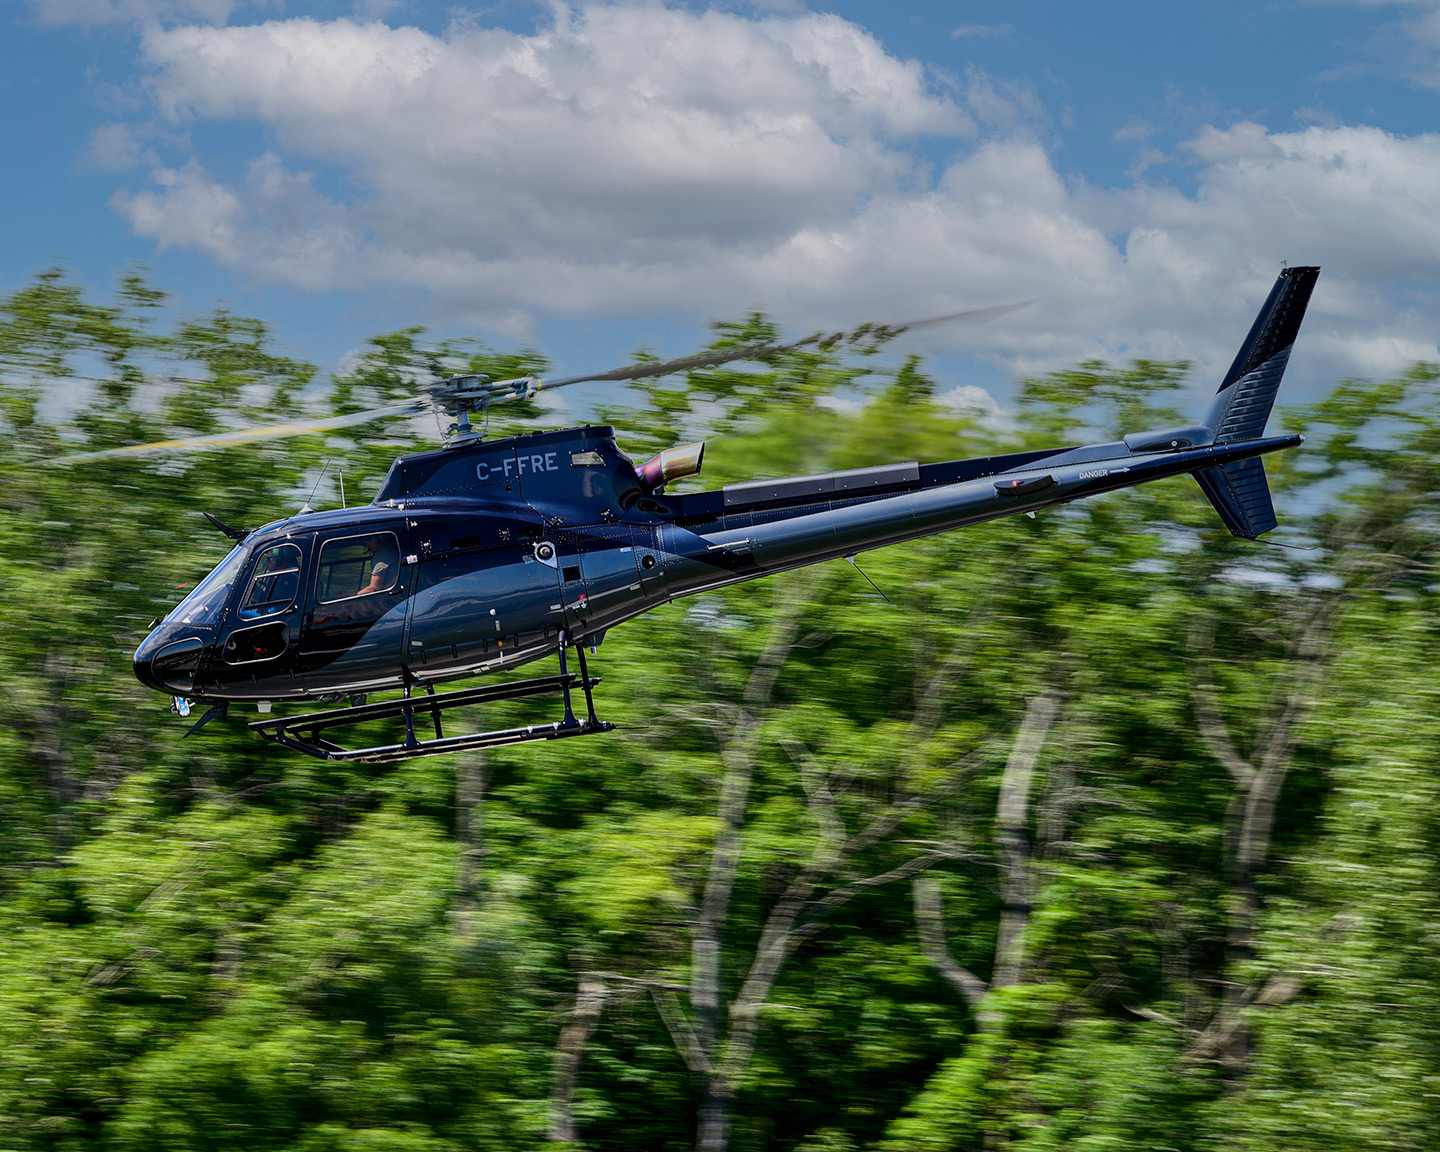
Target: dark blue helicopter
x,y
488,554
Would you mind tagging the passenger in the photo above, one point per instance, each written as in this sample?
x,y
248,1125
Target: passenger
x,y
384,560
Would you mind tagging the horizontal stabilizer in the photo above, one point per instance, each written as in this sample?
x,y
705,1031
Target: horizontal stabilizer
x,y
1241,495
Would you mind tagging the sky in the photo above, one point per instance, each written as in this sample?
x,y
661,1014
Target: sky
x,y
594,178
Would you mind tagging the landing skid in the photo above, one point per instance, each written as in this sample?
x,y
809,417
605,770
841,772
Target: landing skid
x,y
304,733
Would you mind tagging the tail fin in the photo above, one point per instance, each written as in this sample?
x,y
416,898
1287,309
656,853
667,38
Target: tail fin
x,y
1238,490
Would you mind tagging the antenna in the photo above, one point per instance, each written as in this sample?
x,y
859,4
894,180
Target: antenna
x,y
313,490
872,583
342,488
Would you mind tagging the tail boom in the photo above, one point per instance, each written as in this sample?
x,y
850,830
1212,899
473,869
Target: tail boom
x,y
750,548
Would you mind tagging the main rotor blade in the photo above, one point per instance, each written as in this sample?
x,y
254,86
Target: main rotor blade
x,y
968,316
249,435
640,371
754,351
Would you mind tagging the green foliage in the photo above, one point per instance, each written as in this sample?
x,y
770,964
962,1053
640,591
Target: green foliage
x,y
1354,1064
208,945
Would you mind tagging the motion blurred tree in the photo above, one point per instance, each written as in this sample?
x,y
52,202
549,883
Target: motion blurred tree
x,y
1065,730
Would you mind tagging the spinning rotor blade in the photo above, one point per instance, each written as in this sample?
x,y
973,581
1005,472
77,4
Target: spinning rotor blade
x,y
968,316
248,435
754,351
459,394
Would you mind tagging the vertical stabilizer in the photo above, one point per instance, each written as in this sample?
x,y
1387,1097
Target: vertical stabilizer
x,y
1242,406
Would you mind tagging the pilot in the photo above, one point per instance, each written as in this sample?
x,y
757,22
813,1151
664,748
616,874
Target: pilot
x,y
276,580
384,559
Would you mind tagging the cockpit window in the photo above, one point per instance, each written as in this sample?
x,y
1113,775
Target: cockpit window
x,y
203,605
275,582
357,566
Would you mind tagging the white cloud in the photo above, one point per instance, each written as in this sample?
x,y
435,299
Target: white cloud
x,y
979,404
1411,44
276,226
119,148
637,157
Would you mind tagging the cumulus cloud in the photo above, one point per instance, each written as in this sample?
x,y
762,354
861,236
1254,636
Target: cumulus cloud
x,y
275,225
641,157
655,131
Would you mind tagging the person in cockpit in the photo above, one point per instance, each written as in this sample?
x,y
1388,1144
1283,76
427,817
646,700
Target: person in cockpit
x,y
384,558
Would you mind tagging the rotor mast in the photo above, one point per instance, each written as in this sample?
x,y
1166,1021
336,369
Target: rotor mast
x,y
458,396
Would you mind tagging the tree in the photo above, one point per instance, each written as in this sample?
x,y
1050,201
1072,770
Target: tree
x,y
1192,907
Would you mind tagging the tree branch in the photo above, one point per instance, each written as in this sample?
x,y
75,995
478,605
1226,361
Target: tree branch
x,y
739,753
1211,724
1159,1018
682,1033
930,922
1012,838
930,707
848,892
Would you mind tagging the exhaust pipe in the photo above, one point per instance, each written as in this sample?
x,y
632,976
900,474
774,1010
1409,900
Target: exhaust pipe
x,y
672,464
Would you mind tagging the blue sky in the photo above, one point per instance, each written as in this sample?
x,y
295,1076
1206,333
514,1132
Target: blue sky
x,y
593,178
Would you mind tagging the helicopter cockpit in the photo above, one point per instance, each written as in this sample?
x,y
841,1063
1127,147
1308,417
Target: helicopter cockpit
x,y
202,607
275,582
291,599
169,658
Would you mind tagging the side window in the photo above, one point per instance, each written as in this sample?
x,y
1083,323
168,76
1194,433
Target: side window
x,y
357,566
252,645
275,582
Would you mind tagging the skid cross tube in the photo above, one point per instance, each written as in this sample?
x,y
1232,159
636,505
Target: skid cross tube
x,y
304,733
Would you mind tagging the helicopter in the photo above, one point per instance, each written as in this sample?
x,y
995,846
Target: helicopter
x,y
490,553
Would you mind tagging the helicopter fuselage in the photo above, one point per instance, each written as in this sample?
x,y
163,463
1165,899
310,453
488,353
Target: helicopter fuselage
x,y
487,555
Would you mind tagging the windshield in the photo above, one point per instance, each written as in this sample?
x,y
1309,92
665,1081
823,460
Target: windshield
x,y
203,605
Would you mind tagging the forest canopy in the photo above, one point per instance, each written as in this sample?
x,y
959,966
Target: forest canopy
x,y
1098,830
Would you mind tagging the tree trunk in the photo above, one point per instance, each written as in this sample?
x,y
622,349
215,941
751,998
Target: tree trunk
x,y
472,781
1250,816
717,1049
569,1055
48,744
1012,837
707,942
716,1108
1013,858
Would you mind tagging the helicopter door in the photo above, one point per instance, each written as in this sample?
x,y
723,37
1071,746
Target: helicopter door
x,y
258,657
611,587
354,624
472,607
